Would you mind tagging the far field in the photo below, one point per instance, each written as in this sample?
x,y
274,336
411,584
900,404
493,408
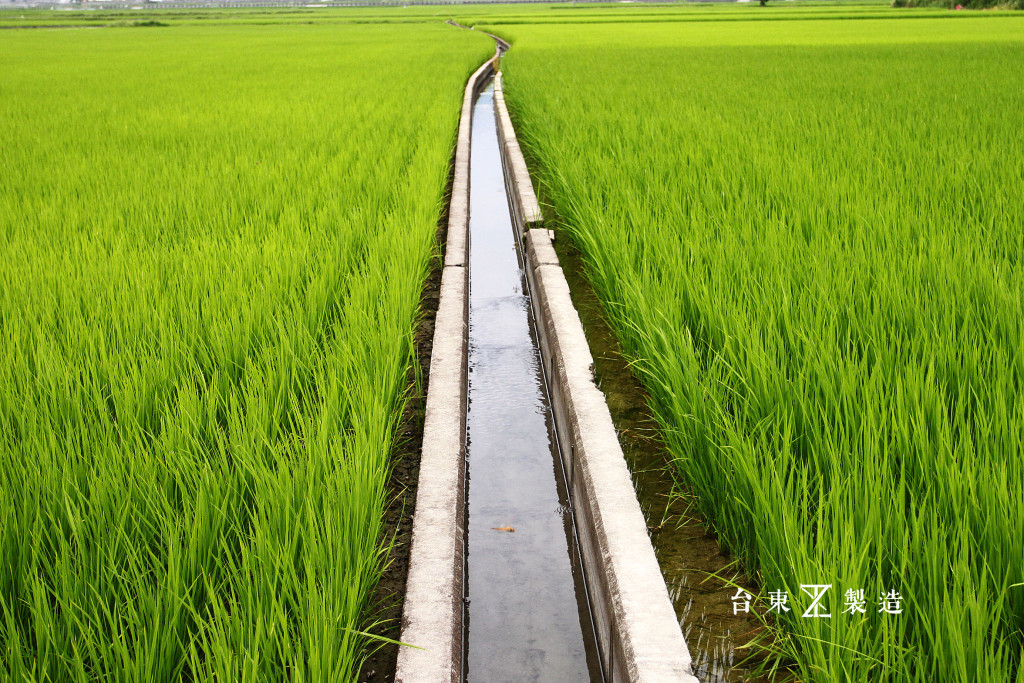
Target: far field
x,y
808,235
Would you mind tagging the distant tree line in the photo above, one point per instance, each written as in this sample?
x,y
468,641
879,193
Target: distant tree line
x,y
962,4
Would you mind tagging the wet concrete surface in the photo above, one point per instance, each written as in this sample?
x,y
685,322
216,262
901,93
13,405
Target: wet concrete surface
x,y
527,614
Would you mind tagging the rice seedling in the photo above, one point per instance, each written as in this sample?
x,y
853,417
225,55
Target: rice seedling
x,y
808,236
212,245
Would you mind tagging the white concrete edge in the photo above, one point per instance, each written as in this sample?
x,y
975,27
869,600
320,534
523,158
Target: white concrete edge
x,y
521,193
643,641
432,613
645,636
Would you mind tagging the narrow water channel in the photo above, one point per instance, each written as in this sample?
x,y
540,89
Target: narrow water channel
x,y
527,615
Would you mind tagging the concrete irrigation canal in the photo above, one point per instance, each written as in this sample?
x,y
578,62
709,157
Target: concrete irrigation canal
x,y
528,617
530,557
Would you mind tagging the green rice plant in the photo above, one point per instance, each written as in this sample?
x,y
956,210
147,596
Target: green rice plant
x,y
212,246
808,237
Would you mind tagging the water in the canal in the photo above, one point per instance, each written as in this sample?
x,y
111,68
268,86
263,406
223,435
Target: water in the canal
x,y
527,615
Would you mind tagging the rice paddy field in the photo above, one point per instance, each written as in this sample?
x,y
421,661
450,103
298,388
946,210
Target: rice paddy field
x,y
804,223
807,233
213,241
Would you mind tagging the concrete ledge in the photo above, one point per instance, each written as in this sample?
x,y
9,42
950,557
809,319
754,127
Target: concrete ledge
x,y
522,199
638,634
432,616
